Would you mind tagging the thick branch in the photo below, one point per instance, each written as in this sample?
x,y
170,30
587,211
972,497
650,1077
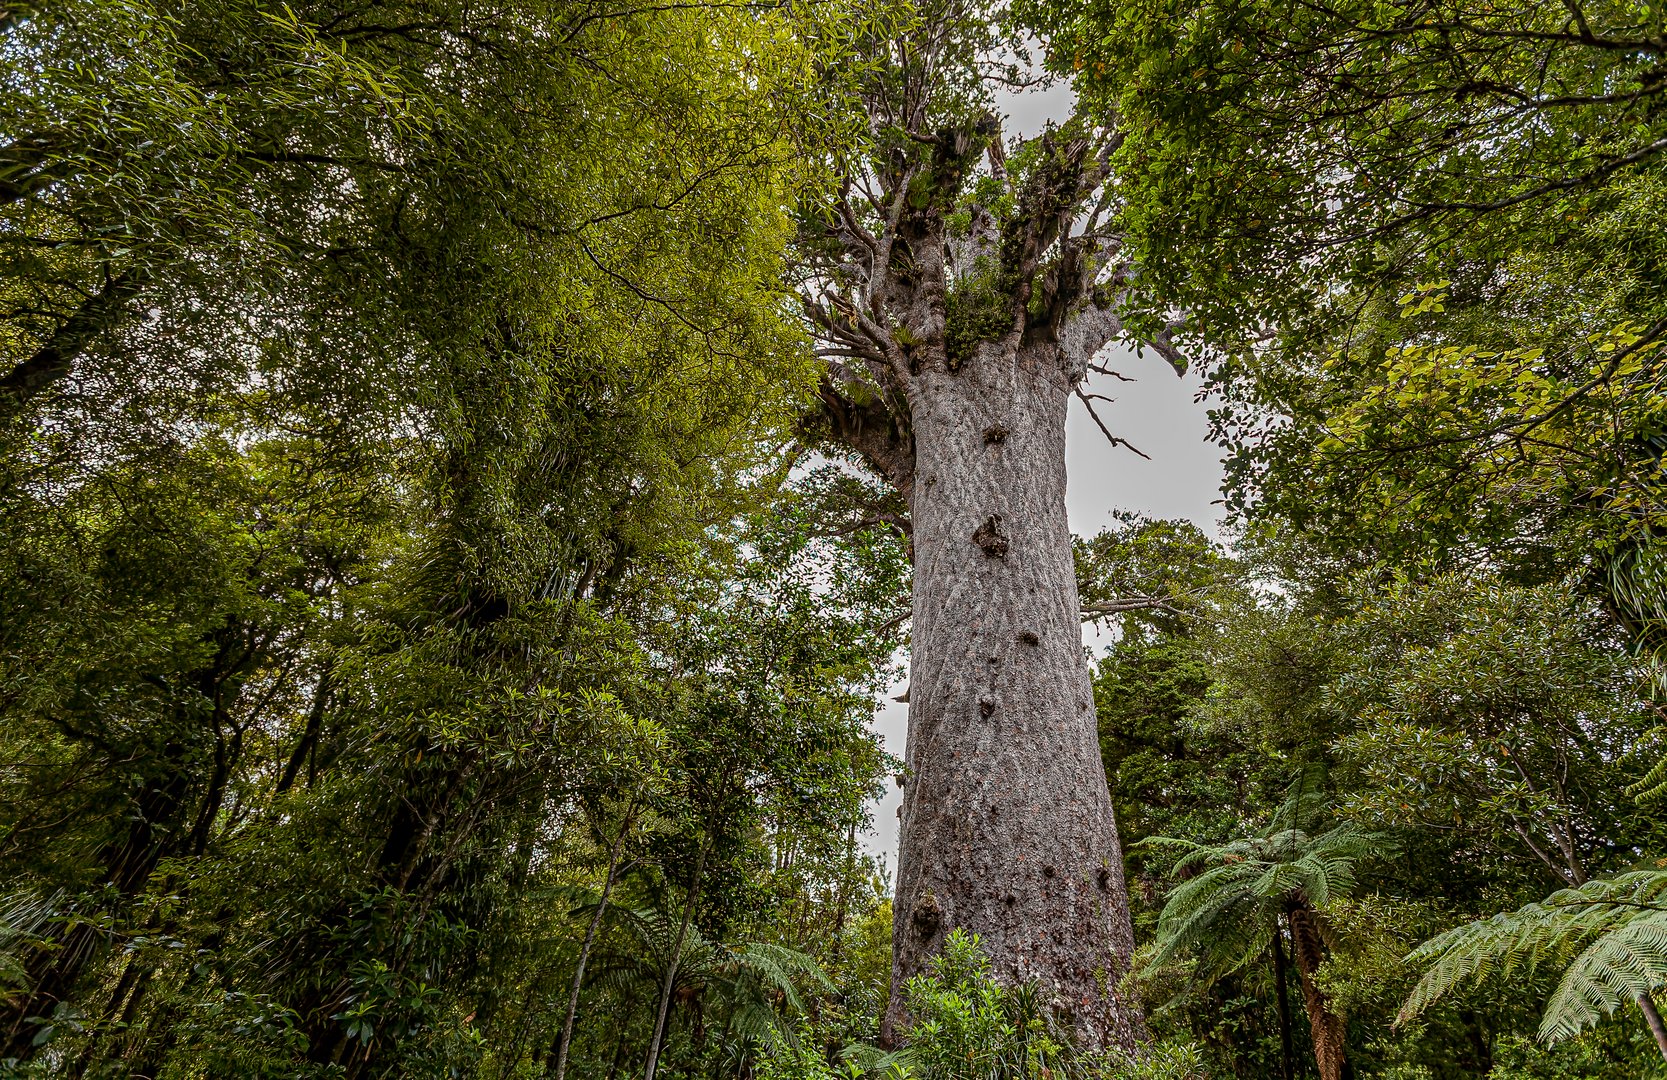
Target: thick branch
x,y
1084,333
54,359
1163,343
879,437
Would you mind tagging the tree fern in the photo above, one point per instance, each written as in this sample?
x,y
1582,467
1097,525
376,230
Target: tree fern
x,y
749,987
1231,906
1609,937
1228,911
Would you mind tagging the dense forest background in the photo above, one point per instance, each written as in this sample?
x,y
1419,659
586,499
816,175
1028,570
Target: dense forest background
x,y
445,589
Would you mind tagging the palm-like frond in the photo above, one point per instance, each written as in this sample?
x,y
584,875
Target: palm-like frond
x,y
1652,786
1226,909
24,919
783,969
755,984
1637,580
1610,936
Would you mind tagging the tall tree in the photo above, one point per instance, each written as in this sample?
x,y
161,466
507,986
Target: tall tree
x,y
489,272
960,289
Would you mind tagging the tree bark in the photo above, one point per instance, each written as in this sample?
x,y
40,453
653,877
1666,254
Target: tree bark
x,y
1007,825
1328,1031
1282,988
1653,1018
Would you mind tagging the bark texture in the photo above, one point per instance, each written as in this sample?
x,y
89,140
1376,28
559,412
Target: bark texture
x,y
1329,1032
1007,825
1658,1029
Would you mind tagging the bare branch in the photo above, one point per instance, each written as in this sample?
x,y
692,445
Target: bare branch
x,y
1115,441
1131,603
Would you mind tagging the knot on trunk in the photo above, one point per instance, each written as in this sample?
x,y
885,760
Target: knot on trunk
x,y
989,537
995,435
927,915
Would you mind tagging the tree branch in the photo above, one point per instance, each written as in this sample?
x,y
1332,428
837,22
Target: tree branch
x,y
1115,441
54,359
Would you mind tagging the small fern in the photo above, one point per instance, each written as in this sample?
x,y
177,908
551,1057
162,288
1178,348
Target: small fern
x,y
25,920
1608,936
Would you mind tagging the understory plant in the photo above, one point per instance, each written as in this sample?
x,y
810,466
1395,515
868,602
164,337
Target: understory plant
x,y
968,1026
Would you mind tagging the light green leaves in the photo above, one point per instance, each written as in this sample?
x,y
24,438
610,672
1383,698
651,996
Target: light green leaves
x,y
1608,936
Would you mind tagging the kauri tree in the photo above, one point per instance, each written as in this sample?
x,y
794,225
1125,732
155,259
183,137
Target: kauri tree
x,y
959,288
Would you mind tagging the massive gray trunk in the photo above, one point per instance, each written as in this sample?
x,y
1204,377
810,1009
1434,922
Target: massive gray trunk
x,y
1007,826
954,333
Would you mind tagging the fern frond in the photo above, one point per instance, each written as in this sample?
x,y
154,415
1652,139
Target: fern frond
x,y
1610,935
1652,786
1615,970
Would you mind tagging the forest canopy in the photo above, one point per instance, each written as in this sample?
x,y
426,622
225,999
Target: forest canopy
x,y
470,474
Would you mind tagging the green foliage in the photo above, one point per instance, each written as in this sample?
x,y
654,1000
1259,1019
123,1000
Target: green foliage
x,y
1277,149
967,1026
1402,690
1609,937
1230,895
1467,694
386,392
978,308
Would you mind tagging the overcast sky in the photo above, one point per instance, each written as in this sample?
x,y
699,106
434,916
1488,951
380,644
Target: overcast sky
x,y
1156,413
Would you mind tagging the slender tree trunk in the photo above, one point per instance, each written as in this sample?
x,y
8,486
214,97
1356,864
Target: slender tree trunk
x,y
1282,988
590,943
1479,1044
619,1054
309,734
671,968
54,972
836,947
1653,1018
1007,825
1328,1031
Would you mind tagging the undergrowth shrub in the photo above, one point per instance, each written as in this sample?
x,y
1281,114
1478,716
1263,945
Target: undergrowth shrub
x,y
967,1026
